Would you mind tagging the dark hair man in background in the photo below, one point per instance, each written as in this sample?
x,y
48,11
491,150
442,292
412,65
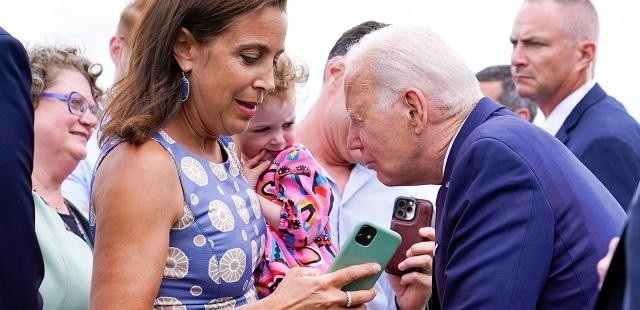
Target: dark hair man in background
x,y
496,83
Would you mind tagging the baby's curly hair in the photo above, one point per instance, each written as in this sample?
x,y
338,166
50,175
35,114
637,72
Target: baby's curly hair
x,y
46,61
287,74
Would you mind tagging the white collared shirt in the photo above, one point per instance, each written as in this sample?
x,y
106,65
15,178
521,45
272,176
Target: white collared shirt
x,y
446,155
365,197
556,118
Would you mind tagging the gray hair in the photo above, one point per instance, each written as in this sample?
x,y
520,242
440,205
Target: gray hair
x,y
403,56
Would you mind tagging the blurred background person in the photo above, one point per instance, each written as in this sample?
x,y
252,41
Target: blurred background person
x,y
358,194
21,268
64,95
77,187
170,207
555,43
496,83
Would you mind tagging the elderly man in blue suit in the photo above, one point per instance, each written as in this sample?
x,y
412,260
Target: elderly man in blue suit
x,y
21,268
553,59
520,222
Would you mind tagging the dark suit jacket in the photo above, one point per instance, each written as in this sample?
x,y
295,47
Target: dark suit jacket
x,y
606,139
21,267
621,287
521,223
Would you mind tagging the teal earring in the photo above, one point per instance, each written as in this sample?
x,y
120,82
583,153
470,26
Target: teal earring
x,y
184,88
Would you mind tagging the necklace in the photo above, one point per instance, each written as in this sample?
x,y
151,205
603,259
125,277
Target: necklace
x,y
58,209
62,213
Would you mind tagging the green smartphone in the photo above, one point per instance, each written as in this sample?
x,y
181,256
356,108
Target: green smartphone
x,y
368,243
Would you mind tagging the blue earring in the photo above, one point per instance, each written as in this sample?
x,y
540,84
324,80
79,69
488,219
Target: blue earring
x,y
184,88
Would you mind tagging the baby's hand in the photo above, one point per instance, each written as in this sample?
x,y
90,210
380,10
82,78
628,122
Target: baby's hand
x,y
253,167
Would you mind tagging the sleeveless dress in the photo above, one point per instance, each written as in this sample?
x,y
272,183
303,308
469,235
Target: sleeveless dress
x,y
216,246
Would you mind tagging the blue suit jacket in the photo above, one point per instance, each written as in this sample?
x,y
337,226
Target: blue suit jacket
x,y
21,267
606,139
621,287
521,223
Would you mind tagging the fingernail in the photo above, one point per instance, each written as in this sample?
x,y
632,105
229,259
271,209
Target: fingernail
x,y
376,267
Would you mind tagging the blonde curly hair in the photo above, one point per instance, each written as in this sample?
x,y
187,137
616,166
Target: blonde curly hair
x,y
46,61
287,74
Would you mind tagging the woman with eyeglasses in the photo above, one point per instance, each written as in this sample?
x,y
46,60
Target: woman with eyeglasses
x,y
64,94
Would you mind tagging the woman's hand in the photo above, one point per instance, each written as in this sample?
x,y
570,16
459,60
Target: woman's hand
x,y
306,288
413,289
253,167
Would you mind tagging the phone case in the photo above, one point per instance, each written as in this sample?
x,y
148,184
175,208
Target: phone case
x,y
408,229
384,244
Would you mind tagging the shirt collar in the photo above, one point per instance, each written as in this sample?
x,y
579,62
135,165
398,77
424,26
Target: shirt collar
x,y
556,118
446,155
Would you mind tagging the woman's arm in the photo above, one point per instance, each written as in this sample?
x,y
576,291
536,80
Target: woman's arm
x,y
134,214
271,211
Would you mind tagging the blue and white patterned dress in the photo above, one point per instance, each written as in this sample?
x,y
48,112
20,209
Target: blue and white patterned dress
x,y
217,244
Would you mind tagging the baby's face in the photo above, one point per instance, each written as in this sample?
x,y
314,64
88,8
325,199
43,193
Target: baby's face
x,y
271,129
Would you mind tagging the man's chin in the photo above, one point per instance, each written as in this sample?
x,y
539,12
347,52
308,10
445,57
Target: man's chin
x,y
384,179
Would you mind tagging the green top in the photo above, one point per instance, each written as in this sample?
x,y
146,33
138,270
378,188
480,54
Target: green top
x,y
67,261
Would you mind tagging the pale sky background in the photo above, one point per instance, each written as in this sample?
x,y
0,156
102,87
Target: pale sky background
x,y
478,30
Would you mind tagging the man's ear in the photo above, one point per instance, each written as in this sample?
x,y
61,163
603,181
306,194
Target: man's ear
x,y
334,72
523,113
587,50
115,48
415,107
185,49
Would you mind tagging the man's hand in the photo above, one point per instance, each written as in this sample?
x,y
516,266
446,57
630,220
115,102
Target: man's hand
x,y
413,289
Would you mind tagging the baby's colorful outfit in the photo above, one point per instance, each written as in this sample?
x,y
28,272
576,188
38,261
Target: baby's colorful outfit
x,y
295,182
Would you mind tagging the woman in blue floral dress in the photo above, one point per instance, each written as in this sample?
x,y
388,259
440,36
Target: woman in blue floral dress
x,y
176,224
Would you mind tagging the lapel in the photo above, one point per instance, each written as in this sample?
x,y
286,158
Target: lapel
x,y
478,115
592,97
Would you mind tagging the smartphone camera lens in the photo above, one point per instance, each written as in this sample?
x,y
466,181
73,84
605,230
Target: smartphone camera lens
x,y
365,235
400,213
409,209
402,203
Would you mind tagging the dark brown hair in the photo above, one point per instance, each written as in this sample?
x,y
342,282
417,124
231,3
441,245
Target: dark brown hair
x,y
353,36
149,94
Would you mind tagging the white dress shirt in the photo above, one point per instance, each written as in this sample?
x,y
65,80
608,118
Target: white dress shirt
x,y
556,118
365,198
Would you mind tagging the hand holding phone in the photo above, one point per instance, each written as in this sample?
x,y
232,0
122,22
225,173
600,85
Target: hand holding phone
x,y
409,215
368,243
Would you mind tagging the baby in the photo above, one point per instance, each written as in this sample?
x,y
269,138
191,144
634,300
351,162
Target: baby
x,y
294,193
